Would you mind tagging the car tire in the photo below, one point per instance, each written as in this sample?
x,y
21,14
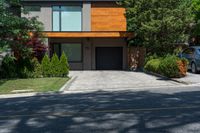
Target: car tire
x,y
193,68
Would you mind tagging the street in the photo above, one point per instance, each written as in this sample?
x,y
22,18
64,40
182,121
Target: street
x,y
170,110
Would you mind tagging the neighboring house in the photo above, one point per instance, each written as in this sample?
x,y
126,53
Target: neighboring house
x,y
92,33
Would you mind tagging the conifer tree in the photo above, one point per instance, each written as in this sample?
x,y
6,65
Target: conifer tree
x,y
46,66
64,66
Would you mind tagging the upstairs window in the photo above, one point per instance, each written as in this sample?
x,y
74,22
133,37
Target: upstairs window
x,y
67,18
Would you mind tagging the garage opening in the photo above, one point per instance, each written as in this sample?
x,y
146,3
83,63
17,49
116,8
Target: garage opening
x,y
109,58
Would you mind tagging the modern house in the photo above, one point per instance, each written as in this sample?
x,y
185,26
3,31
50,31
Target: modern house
x,y
93,33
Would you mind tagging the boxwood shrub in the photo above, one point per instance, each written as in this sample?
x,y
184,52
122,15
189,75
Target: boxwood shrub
x,y
153,65
170,66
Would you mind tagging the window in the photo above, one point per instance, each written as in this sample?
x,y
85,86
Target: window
x,y
67,18
73,51
198,51
56,48
32,8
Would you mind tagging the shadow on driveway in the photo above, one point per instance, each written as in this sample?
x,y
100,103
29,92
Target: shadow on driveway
x,y
102,112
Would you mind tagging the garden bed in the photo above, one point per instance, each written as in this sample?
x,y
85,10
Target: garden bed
x,y
36,85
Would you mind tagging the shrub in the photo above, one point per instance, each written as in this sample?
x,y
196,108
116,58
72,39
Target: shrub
x,y
64,66
24,67
12,68
37,45
8,67
25,73
153,65
169,67
37,73
183,66
150,57
55,66
46,66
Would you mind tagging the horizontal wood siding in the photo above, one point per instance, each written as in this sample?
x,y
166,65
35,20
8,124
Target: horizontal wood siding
x,y
108,16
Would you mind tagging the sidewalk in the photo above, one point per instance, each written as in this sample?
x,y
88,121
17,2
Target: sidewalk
x,y
189,79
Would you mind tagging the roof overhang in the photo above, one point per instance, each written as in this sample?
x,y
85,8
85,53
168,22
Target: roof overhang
x,y
92,34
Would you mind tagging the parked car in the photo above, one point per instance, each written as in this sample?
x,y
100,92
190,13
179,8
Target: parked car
x,y
192,54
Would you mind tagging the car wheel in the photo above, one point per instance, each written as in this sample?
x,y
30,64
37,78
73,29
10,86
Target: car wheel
x,y
194,68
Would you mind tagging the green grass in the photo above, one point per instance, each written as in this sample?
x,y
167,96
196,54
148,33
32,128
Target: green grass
x,y
37,84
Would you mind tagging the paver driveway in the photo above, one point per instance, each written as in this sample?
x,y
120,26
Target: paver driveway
x,y
104,80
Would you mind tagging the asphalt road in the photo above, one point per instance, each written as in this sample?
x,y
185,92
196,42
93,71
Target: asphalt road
x,y
164,110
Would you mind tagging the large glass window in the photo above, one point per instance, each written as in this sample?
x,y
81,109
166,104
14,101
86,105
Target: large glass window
x,y
73,51
56,48
67,18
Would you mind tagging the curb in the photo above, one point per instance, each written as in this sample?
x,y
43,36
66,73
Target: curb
x,y
67,84
24,95
164,77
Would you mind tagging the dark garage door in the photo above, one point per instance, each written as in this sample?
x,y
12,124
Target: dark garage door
x,y
109,58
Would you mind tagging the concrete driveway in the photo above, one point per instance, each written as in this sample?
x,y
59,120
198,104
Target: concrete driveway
x,y
114,80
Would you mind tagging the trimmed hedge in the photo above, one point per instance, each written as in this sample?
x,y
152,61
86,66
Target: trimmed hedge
x,y
33,69
55,67
153,65
170,66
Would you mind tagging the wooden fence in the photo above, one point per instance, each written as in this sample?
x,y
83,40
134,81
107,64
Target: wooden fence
x,y
136,57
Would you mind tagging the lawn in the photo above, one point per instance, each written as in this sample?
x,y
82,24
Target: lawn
x,y
37,84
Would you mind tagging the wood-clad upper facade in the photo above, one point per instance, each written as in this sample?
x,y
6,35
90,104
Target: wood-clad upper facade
x,y
95,15
107,16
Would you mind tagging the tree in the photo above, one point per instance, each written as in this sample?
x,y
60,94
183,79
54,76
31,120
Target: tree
x,y
195,34
55,66
158,24
17,33
46,66
64,66
37,73
37,46
22,35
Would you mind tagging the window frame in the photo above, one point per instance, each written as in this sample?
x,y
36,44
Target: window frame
x,y
60,21
60,50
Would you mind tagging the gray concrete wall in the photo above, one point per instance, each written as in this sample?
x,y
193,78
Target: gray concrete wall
x,y
88,50
44,16
86,16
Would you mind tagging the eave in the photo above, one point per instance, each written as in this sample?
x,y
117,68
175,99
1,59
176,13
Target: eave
x,y
93,34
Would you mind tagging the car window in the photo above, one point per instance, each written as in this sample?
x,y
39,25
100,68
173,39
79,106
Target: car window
x,y
188,51
198,50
